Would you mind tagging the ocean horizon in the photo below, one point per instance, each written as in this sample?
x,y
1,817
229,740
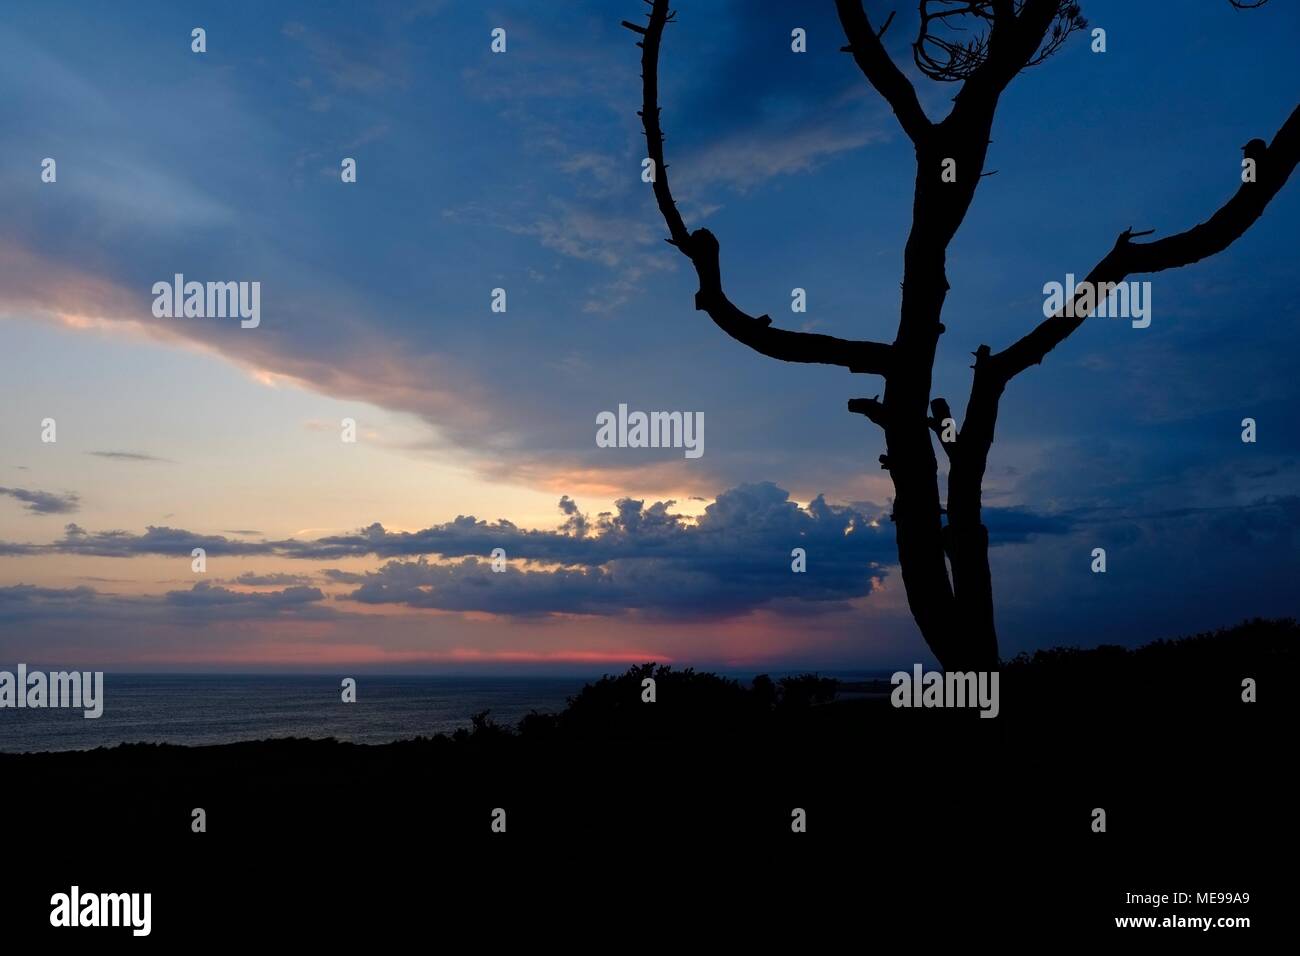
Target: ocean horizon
x,y
206,709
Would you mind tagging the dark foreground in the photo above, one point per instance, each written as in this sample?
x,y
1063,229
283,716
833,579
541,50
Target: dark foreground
x,y
678,814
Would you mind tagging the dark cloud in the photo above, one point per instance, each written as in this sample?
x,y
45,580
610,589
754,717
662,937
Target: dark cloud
x,y
155,540
744,519
29,603
44,502
640,557
127,456
1264,525
648,559
25,593
342,577
10,549
252,579
1169,572
735,558
202,603
207,595
576,522
1014,525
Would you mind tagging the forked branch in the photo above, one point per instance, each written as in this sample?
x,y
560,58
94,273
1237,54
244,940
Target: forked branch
x,y
956,37
1273,166
880,71
701,247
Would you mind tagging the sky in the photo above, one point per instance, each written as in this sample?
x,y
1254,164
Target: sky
x,y
476,429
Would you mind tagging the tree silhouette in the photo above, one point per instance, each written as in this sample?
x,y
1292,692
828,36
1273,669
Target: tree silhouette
x,y
945,566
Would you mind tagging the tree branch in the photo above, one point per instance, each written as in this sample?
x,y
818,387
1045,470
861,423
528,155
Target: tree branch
x,y
966,478
873,408
1015,42
1274,165
701,247
889,81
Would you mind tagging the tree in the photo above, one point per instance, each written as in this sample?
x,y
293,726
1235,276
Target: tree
x,y
945,565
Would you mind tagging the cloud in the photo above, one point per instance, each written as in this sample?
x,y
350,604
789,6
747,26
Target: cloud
x,y
155,540
746,160
442,392
733,559
353,63
1014,525
207,595
644,561
44,502
18,595
591,235
640,558
575,522
252,579
342,577
202,603
1169,572
10,549
126,456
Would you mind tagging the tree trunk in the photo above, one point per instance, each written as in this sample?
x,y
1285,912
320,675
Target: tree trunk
x,y
955,615
966,537
910,456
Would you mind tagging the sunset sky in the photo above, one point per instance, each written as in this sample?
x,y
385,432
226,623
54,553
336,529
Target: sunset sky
x,y
522,171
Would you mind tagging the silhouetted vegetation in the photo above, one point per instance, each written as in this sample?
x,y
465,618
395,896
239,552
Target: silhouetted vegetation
x,y
713,770
766,731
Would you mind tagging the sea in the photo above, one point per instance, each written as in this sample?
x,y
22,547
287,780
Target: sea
x,y
213,709
195,710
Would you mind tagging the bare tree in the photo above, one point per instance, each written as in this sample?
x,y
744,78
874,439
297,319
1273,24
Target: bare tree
x,y
945,565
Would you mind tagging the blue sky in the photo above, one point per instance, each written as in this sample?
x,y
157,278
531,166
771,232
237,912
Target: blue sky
x,y
521,171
